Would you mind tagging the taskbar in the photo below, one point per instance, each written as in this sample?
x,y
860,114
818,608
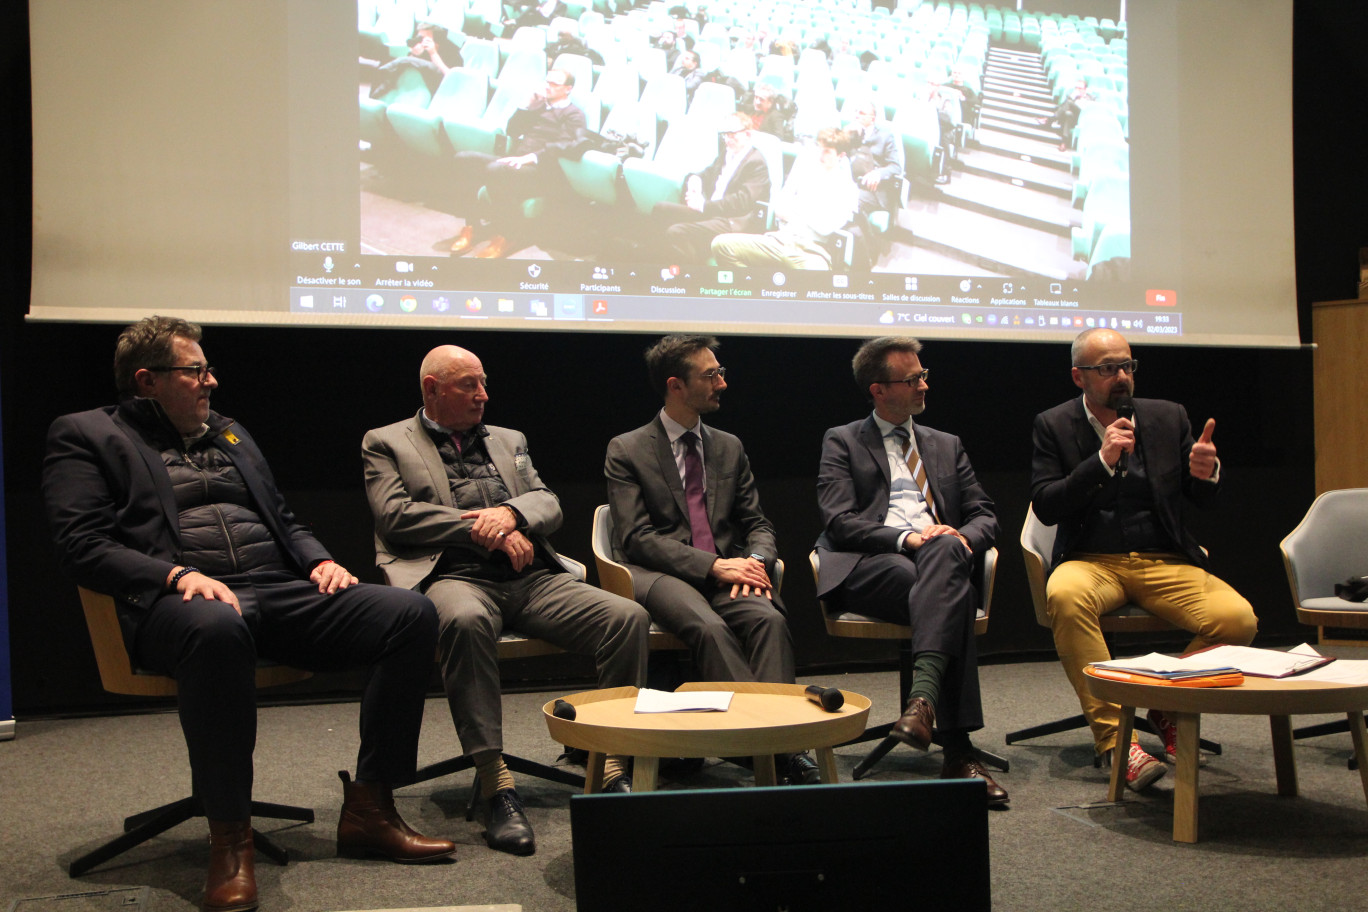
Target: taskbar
x,y
710,307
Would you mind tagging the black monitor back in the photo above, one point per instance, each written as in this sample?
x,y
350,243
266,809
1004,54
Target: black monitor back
x,y
911,845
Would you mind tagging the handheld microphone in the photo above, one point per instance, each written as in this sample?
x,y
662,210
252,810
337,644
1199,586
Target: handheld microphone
x,y
563,710
829,698
1124,409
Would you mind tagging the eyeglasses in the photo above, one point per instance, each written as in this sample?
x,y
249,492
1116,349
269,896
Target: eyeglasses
x,y
1107,371
911,381
202,372
712,376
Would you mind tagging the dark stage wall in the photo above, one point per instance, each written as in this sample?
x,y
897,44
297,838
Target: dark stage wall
x,y
309,395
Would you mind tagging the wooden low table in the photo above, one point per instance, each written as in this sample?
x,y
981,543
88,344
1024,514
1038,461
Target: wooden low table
x,y
1278,699
763,720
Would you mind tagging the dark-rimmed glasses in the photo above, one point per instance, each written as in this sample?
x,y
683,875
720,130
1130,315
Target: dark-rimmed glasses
x,y
202,372
911,381
1109,370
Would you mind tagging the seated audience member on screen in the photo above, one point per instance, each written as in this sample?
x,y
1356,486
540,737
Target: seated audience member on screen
x,y
687,69
567,42
904,519
769,111
170,508
533,13
876,160
430,53
540,132
687,520
819,198
1116,487
462,516
726,197
1065,116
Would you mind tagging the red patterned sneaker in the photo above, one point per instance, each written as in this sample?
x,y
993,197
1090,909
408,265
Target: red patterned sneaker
x,y
1142,770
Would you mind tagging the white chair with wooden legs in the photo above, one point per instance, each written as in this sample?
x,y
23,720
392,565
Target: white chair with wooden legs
x,y
1327,548
117,675
1037,546
860,626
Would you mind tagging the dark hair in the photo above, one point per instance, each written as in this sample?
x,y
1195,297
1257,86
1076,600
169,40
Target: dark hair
x,y
670,357
147,343
870,363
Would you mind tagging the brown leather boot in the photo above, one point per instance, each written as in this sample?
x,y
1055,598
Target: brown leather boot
x,y
231,883
370,825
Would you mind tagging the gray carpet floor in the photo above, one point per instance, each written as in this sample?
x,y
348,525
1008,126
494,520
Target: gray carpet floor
x,y
66,784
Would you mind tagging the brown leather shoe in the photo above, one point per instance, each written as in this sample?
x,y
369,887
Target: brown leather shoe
x,y
914,727
967,766
497,248
463,240
370,825
231,883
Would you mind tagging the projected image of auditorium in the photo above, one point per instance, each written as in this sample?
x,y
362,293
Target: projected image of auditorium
x,y
937,139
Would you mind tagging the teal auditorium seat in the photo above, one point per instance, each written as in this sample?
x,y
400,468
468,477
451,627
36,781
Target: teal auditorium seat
x,y
919,126
665,95
481,54
688,147
1099,162
636,120
713,100
461,96
410,89
1108,202
1111,255
594,176
617,84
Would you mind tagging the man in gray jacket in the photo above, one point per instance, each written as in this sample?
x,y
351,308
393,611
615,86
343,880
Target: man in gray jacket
x,y
462,516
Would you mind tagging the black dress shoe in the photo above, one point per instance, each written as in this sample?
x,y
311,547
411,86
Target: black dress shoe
x,y
914,727
802,770
966,766
506,827
620,785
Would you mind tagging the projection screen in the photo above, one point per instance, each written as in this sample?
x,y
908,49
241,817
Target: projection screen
x,y
313,162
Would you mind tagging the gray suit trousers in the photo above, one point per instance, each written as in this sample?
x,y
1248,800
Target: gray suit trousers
x,y
731,639
555,607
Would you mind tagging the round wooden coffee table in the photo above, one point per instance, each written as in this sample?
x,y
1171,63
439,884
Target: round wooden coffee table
x,y
763,720
1279,699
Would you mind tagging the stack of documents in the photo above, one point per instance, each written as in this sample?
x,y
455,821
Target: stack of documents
x,y
1161,669
1217,666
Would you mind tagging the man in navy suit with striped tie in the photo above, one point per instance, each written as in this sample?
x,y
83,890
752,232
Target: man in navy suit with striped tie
x,y
904,520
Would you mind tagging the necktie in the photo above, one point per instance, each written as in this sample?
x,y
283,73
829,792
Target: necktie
x,y
694,496
914,465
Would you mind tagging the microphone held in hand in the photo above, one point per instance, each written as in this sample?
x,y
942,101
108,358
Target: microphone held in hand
x,y
1124,409
563,710
829,698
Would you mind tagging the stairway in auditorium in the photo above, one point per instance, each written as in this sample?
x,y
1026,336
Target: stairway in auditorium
x,y
1007,206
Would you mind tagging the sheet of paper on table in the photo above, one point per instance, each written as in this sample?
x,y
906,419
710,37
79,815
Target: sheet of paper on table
x,y
663,701
1340,671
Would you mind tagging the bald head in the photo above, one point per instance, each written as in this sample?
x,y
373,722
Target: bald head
x,y
1090,341
1107,387
454,387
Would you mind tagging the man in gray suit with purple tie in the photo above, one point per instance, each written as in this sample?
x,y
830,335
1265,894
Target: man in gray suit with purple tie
x,y
687,521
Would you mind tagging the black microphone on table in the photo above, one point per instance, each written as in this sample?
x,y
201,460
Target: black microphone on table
x,y
829,698
1124,409
563,710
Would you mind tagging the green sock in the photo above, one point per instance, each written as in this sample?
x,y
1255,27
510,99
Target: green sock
x,y
927,670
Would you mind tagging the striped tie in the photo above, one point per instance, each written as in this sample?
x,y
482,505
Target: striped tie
x,y
914,465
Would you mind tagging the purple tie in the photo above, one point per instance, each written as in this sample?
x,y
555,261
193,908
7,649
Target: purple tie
x,y
693,495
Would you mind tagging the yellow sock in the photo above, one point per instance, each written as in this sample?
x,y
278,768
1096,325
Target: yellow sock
x,y
493,773
614,765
